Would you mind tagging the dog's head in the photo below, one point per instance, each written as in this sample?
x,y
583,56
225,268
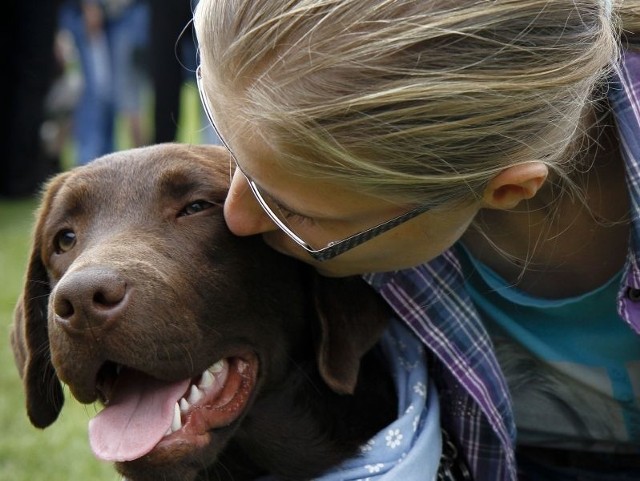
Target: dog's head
x,y
138,296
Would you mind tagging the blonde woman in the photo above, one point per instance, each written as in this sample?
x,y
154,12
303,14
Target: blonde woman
x,y
479,163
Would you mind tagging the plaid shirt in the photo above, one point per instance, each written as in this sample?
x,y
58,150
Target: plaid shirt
x,y
431,299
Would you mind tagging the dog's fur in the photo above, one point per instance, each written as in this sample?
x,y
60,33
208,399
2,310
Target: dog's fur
x,y
147,223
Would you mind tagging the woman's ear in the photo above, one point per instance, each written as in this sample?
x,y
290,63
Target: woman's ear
x,y
515,184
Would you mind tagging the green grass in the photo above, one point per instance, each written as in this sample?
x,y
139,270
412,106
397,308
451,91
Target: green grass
x,y
60,452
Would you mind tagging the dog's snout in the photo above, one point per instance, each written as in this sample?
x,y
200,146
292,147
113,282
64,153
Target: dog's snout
x,y
89,299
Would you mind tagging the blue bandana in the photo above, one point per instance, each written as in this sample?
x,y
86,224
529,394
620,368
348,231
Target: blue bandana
x,y
409,448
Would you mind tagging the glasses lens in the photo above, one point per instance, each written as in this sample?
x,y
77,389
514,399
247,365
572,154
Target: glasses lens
x,y
294,225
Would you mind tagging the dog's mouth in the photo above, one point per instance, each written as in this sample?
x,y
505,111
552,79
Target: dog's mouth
x,y
143,414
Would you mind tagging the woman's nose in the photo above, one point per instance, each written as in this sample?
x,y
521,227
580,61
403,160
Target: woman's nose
x,y
242,213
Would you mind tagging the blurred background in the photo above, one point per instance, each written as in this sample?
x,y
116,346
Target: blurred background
x,y
85,77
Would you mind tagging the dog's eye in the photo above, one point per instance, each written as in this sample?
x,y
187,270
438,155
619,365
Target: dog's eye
x,y
64,241
195,207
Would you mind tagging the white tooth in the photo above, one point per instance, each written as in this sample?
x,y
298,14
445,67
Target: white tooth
x,y
217,367
206,380
168,432
242,366
194,395
184,406
177,422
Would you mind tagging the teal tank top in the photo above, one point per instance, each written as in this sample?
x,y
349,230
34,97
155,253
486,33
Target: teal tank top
x,y
572,365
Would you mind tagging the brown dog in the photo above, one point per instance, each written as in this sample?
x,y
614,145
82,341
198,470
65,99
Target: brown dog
x,y
216,357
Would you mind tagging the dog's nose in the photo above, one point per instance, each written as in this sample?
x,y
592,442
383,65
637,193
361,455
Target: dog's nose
x,y
89,299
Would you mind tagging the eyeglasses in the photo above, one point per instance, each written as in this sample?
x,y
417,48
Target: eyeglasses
x,y
279,216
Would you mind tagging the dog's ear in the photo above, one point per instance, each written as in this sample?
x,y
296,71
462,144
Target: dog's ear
x,y
29,333
352,319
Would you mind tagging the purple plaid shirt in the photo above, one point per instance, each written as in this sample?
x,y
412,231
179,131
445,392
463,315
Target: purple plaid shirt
x,y
431,299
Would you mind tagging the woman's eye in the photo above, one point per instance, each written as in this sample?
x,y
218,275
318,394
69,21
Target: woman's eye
x,y
293,217
195,207
64,241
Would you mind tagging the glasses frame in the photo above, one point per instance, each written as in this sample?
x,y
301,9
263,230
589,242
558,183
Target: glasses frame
x,y
333,248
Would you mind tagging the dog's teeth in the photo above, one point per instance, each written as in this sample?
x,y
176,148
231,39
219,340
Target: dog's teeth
x,y
195,395
184,406
206,380
242,366
217,367
177,421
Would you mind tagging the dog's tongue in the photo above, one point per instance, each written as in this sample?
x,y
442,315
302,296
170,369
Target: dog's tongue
x,y
136,418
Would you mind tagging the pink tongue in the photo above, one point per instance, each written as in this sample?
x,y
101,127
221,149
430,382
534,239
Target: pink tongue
x,y
137,417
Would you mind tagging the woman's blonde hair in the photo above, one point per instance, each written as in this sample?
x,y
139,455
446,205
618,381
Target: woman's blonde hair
x,y
414,100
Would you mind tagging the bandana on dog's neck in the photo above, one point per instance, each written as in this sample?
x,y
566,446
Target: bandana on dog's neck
x,y
408,449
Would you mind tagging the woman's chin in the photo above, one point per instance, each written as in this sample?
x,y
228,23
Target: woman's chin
x,y
331,268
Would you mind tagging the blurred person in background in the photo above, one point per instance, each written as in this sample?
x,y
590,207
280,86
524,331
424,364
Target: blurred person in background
x,y
111,37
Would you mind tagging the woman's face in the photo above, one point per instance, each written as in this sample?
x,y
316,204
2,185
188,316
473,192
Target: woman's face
x,y
323,212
